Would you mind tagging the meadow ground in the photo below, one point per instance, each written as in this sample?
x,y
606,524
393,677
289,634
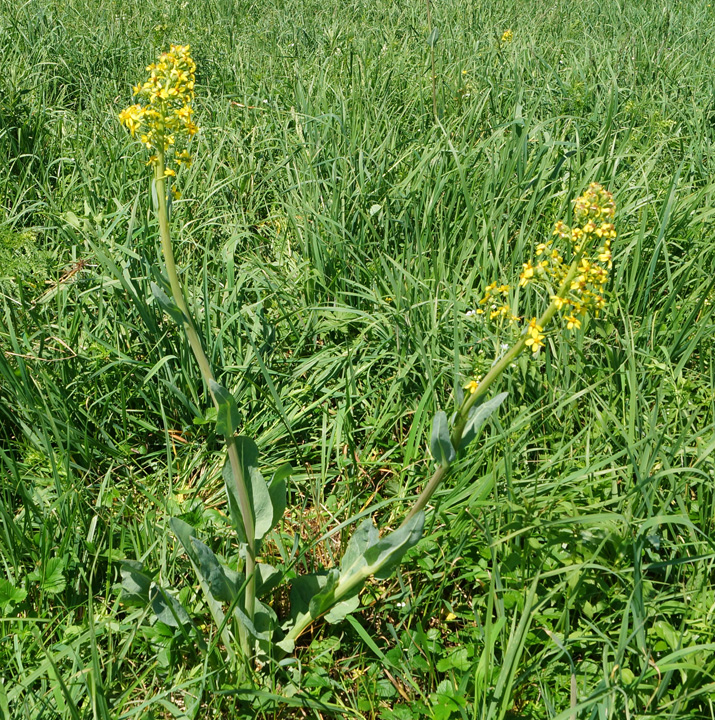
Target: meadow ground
x,y
334,237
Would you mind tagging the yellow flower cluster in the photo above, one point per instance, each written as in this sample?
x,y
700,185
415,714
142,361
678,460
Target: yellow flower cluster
x,y
167,96
499,308
589,242
590,238
507,37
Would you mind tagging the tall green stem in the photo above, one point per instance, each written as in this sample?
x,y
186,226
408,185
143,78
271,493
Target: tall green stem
x,y
208,376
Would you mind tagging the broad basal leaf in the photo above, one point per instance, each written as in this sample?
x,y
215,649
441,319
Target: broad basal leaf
x,y
306,588
267,578
324,599
263,623
186,534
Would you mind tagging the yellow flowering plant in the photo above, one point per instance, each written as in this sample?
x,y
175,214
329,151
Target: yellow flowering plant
x,y
575,288
162,121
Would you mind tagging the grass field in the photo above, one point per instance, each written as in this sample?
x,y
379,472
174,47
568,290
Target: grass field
x,y
334,235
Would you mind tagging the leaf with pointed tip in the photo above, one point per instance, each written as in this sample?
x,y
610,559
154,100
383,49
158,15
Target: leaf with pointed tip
x,y
287,645
168,304
364,537
167,608
478,415
227,417
440,444
187,535
212,571
385,555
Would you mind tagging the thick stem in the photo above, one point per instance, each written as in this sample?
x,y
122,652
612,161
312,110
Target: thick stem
x,y
208,376
174,282
496,370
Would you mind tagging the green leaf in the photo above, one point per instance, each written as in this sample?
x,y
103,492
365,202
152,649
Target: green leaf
x,y
263,623
52,577
213,573
10,595
135,583
433,37
73,220
234,506
366,555
306,588
258,493
456,660
342,609
227,418
287,645
478,416
167,608
440,444
277,490
267,578
386,554
186,534
323,600
168,305
364,537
